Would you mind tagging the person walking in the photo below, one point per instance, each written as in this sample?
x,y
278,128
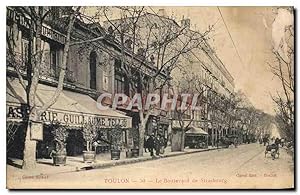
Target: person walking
x,y
282,142
235,142
157,145
265,140
151,143
162,144
277,141
218,142
146,144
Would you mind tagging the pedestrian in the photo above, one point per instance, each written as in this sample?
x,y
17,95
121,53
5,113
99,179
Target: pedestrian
x,y
157,144
265,140
146,144
277,141
235,141
151,143
282,142
260,140
162,144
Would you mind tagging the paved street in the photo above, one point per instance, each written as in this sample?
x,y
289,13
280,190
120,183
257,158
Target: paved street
x,y
242,167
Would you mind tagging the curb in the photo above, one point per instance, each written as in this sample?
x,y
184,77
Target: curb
x,y
136,160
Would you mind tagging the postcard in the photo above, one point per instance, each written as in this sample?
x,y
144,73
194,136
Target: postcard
x,y
145,97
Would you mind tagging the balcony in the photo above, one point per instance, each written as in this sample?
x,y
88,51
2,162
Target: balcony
x,y
70,76
15,61
53,74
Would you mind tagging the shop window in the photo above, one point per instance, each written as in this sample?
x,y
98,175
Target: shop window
x,y
15,139
93,70
47,145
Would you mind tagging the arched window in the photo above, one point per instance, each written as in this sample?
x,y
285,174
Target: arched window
x,y
93,70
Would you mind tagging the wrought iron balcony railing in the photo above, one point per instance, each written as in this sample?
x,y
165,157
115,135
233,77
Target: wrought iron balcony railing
x,y
54,74
49,73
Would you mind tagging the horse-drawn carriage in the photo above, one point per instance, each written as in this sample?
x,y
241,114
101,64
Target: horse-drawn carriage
x,y
273,149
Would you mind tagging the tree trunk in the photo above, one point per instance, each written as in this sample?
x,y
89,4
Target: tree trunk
x,y
29,153
182,140
176,141
141,137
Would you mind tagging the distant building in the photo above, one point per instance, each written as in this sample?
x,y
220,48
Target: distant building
x,y
203,61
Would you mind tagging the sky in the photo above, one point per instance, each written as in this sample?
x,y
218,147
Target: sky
x,y
251,32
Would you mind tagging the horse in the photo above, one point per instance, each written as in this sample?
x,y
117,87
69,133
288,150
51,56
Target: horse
x,y
266,141
273,149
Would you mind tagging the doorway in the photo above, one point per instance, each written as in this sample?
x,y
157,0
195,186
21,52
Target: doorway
x,y
75,143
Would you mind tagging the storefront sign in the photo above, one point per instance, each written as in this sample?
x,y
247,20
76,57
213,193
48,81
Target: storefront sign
x,y
70,118
51,34
36,131
26,22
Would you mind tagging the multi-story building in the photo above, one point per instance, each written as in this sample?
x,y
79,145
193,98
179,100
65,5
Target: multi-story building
x,y
93,68
158,122
215,117
218,89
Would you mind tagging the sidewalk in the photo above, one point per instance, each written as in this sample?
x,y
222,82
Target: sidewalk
x,y
45,166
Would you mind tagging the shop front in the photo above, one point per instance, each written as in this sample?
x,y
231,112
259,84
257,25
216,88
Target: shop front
x,y
71,110
196,137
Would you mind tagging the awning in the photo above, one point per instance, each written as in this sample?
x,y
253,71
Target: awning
x,y
91,105
70,108
15,94
196,131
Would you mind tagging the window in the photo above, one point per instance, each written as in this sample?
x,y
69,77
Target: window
x,y
121,84
10,36
25,52
55,57
93,71
105,81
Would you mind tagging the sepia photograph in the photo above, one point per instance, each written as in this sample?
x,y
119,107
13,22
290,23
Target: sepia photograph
x,y
150,97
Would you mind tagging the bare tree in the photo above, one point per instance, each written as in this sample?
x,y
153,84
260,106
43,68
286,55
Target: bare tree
x,y
186,110
161,45
230,105
283,68
149,51
29,80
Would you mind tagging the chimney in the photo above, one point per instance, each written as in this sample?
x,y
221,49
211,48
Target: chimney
x,y
161,12
185,23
